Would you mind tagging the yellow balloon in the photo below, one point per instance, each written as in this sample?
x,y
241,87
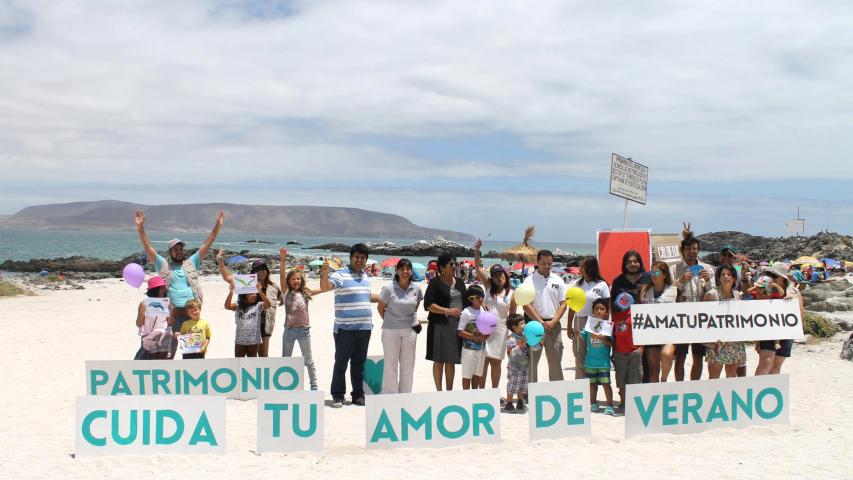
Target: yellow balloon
x,y
524,294
576,298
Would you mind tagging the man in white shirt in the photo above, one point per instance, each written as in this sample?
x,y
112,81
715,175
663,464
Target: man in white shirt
x,y
548,307
691,288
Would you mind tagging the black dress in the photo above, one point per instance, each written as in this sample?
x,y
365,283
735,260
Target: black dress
x,y
443,343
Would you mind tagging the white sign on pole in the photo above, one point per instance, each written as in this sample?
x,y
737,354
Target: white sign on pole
x,y
433,419
290,421
559,409
707,322
796,225
628,179
149,425
691,407
240,378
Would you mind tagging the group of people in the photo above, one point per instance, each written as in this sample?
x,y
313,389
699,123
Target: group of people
x,y
452,334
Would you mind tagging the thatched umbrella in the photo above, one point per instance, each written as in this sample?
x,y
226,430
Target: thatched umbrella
x,y
523,252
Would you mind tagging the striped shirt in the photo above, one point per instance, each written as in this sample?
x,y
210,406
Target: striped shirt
x,y
352,300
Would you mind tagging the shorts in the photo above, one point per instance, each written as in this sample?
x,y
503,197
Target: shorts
x,y
598,376
472,363
783,351
697,348
516,381
263,326
179,315
629,368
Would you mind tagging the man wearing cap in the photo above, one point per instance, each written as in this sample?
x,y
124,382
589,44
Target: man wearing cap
x,y
179,273
692,287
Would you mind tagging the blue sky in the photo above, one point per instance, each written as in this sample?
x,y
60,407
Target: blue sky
x,y
475,116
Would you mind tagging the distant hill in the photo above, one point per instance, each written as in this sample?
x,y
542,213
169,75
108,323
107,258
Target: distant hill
x,y
113,215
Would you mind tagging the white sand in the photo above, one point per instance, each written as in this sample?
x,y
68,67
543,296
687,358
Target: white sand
x,y
48,337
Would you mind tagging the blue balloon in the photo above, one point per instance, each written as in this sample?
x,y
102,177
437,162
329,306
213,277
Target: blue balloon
x,y
533,332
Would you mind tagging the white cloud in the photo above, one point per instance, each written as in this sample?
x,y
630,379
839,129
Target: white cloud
x,y
216,93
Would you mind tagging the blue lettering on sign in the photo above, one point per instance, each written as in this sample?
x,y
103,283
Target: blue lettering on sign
x,y
479,421
692,404
277,408
541,421
202,432
425,420
96,379
573,408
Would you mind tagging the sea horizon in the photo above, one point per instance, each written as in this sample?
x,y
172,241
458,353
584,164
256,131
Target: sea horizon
x,y
29,244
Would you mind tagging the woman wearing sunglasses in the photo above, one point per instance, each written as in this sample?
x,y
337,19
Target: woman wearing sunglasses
x,y
445,298
661,290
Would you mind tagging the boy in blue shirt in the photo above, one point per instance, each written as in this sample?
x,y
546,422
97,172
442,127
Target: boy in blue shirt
x,y
597,364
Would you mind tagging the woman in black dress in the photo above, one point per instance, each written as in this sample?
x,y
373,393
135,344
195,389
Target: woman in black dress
x,y
445,298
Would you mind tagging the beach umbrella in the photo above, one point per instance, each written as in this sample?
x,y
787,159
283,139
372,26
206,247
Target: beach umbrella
x,y
807,260
574,270
519,265
848,263
315,263
558,270
390,262
523,251
831,263
237,259
419,267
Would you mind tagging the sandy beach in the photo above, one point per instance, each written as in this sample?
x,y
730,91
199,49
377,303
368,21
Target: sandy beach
x,y
49,336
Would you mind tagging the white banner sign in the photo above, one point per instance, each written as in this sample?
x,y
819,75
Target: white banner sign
x,y
149,425
245,284
240,378
290,421
691,407
599,326
559,409
628,179
707,322
434,419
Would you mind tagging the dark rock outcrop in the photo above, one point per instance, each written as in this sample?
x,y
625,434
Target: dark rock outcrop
x,y
832,245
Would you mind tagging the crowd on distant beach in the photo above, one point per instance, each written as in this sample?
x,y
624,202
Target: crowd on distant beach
x,y
454,305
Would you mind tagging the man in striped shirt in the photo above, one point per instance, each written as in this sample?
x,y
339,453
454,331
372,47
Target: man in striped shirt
x,y
353,323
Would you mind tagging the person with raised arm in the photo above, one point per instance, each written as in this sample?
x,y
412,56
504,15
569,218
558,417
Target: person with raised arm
x,y
499,300
259,268
179,273
353,323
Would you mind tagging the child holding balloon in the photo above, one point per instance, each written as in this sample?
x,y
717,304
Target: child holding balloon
x,y
519,357
597,362
472,339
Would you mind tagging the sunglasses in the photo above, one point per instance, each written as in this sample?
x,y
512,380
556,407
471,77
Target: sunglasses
x,y
657,273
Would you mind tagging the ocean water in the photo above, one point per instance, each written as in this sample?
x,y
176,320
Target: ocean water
x,y
18,244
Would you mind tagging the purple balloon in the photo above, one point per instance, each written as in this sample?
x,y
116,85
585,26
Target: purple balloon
x,y
133,274
486,322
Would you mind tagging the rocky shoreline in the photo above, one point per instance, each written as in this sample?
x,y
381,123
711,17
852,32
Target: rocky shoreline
x,y
822,245
831,245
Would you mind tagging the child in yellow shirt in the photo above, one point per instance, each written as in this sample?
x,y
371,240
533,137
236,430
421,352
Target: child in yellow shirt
x,y
198,328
